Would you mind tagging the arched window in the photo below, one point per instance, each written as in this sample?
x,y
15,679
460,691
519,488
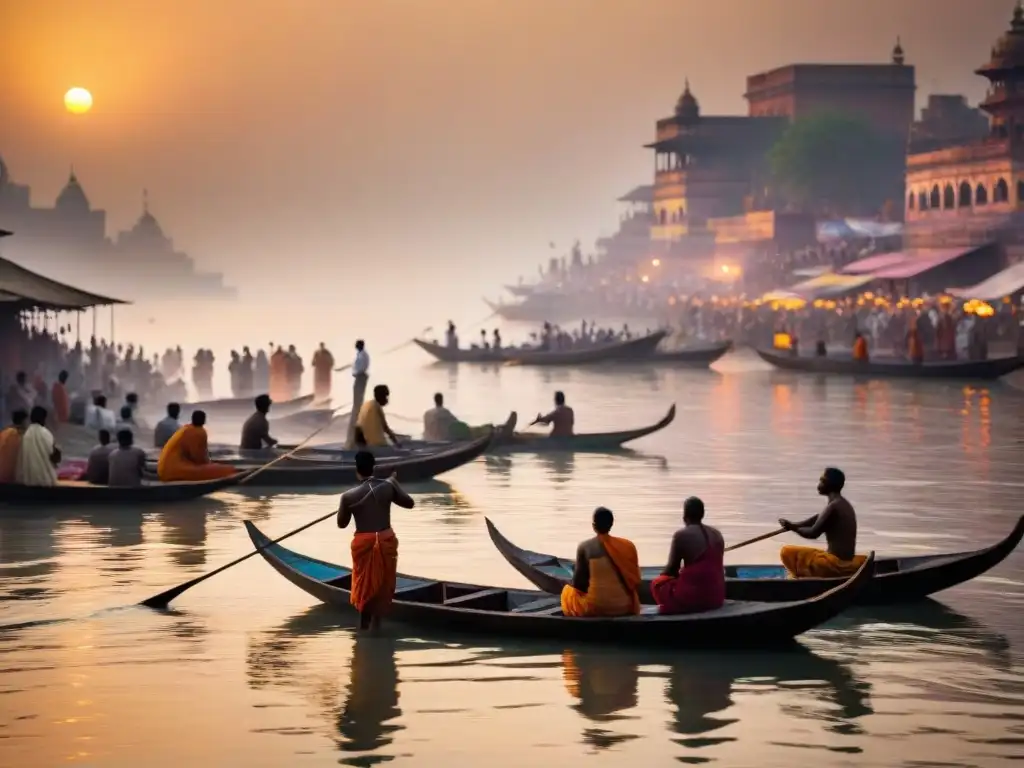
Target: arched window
x,y
1001,194
948,197
964,199
981,195
910,201
682,213
1020,191
922,200
936,198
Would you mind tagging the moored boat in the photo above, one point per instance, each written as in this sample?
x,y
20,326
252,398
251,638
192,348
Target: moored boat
x,y
881,367
696,355
528,613
630,349
896,579
77,493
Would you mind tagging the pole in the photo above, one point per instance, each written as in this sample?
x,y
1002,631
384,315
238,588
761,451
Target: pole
x,y
111,325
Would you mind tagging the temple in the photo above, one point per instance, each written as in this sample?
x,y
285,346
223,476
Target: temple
x,y
70,240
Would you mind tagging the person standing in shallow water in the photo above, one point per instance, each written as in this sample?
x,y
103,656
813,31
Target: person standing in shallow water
x,y
374,545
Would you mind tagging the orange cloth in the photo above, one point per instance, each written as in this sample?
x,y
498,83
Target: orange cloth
x,y
811,562
914,348
323,365
374,570
280,390
186,457
860,349
10,445
61,403
605,595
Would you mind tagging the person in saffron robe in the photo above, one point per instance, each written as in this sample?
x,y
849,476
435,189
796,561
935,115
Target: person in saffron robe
x,y
915,349
606,576
694,579
10,445
39,455
945,336
838,522
279,386
186,455
323,366
372,420
374,546
59,396
860,348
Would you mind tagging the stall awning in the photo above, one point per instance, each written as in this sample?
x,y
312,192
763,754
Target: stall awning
x,y
830,284
35,290
901,265
1005,283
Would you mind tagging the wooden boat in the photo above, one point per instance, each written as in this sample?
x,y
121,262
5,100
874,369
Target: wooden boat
x,y
528,613
324,472
631,349
993,368
242,407
697,355
76,493
520,442
896,579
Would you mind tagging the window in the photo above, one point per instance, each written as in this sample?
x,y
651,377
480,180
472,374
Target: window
x,y
922,200
910,201
948,197
662,217
964,200
981,195
1001,194
1020,191
936,198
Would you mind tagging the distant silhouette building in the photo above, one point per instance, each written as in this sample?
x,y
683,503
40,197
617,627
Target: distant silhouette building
x,y
947,121
69,240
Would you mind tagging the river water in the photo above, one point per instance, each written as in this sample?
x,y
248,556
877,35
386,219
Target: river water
x,y
247,671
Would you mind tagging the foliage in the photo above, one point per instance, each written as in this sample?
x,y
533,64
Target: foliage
x,y
837,164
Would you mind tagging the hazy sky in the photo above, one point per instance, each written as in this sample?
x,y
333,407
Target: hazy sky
x,y
443,135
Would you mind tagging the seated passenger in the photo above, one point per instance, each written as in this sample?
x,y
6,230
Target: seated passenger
x,y
39,455
167,426
838,522
187,456
97,470
607,574
438,421
372,420
694,579
10,445
256,429
127,463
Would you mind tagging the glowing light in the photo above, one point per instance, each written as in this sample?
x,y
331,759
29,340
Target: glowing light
x,y
725,269
644,278
78,101
655,262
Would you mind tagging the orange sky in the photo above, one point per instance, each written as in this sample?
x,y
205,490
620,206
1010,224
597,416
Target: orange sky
x,y
459,133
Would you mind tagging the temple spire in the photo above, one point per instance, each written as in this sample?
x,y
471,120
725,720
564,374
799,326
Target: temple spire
x,y
897,52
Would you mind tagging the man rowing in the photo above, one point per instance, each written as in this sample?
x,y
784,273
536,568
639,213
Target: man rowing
x,y
562,419
374,545
606,575
694,579
372,420
256,429
838,522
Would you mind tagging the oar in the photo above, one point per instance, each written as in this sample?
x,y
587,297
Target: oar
x,y
161,600
756,539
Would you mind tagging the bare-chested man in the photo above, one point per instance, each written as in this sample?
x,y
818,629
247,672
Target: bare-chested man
x,y
694,579
374,546
838,522
562,419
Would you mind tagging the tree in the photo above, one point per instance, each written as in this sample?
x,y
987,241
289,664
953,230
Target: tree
x,y
836,164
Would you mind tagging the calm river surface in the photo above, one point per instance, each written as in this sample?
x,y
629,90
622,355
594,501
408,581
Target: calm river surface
x,y
248,671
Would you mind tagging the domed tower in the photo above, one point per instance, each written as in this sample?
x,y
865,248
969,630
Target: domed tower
x,y
687,108
1005,72
72,198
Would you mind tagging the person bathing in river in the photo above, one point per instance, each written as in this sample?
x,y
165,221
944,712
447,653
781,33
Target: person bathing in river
x,y
374,546
187,455
562,419
372,420
606,576
256,429
838,522
694,579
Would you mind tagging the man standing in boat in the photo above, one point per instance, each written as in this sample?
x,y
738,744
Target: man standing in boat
x,y
360,375
374,546
838,522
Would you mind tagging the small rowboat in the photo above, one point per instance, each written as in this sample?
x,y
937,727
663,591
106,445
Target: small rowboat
x,y
418,467
632,349
77,493
697,355
595,441
527,613
233,407
894,367
896,579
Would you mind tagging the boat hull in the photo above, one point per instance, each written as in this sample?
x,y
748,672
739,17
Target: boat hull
x,y
633,349
481,609
896,579
899,369
75,493
696,356
593,442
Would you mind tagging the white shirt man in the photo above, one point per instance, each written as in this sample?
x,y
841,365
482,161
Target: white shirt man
x,y
361,366
98,416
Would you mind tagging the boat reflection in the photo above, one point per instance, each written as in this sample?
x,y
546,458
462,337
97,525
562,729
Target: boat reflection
x,y
371,702
603,692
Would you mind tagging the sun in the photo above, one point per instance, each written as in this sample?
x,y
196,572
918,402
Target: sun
x,y
78,101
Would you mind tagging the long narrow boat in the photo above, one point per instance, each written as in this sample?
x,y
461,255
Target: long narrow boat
x,y
76,493
233,407
993,368
632,349
896,579
527,613
696,355
521,442
410,469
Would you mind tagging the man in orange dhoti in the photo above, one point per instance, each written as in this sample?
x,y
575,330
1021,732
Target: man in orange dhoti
x,y
838,522
323,366
10,446
186,456
374,546
59,396
606,576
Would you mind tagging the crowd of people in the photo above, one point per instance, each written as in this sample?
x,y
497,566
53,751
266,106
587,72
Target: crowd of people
x,y
550,337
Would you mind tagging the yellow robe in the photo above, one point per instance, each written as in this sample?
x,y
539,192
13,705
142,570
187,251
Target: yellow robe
x,y
10,446
811,562
186,456
605,595
371,422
